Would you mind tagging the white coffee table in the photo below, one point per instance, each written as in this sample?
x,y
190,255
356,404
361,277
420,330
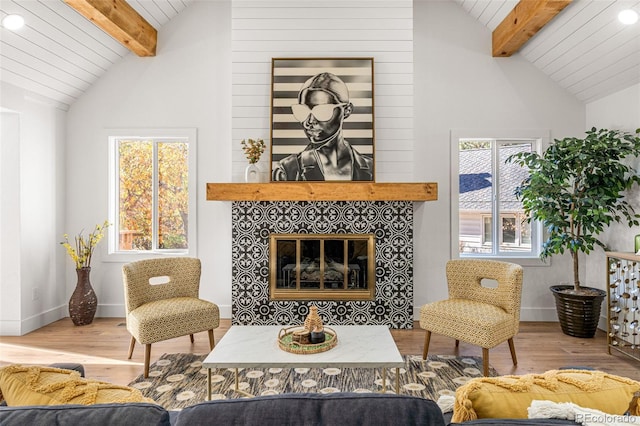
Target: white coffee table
x,y
359,346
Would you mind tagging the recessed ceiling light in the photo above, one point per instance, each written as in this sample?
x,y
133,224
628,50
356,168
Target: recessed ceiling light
x,y
628,17
13,22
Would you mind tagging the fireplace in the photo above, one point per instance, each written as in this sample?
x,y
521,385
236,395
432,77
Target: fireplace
x,y
321,267
258,225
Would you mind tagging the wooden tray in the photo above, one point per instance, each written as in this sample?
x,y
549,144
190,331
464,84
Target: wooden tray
x,y
286,343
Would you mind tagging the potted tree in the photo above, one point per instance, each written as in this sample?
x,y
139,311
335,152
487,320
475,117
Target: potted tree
x,y
576,188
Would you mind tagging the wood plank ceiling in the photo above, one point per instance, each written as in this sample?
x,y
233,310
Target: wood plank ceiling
x,y
584,49
59,53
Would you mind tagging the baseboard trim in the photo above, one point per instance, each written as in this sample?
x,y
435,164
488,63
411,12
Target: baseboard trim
x,y
10,328
27,325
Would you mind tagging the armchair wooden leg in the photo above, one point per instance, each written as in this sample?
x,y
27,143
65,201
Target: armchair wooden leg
x,y
191,337
147,358
212,341
457,343
485,362
427,338
131,345
512,348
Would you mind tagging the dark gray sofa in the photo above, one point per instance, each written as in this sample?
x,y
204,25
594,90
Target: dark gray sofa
x,y
130,414
344,409
315,409
280,410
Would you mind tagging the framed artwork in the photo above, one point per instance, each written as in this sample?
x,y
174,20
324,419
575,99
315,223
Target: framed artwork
x,y
322,120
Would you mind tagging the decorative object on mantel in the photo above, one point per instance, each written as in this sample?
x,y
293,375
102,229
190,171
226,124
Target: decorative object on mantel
x,y
637,244
83,302
253,149
312,338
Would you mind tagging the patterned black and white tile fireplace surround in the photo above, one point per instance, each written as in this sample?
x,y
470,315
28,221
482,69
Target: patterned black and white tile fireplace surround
x,y
391,222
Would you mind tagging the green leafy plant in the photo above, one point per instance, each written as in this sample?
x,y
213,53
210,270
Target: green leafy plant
x,y
82,252
576,188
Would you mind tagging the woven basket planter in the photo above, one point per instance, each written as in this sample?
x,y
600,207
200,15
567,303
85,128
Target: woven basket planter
x,y
578,314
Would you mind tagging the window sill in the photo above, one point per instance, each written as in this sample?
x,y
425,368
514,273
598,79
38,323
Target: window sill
x,y
121,257
523,261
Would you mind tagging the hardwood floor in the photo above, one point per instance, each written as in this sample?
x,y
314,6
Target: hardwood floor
x,y
102,348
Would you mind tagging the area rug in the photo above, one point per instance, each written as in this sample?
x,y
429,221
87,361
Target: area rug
x,y
178,380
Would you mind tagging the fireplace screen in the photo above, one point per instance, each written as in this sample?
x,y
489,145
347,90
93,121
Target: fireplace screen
x,y
322,267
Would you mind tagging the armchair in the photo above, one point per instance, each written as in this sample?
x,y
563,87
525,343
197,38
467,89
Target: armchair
x,y
474,313
161,300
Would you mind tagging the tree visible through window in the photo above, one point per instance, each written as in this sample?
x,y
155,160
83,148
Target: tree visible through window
x,y
152,193
491,219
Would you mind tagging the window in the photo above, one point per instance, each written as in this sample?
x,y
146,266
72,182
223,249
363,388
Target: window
x,y
488,219
152,195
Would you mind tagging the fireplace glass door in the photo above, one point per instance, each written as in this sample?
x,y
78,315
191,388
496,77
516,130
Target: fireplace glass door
x,y
322,267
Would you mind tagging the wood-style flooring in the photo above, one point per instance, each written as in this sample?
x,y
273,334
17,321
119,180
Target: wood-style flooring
x,y
102,348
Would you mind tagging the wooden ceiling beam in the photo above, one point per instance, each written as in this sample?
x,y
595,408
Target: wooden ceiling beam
x,y
118,19
523,22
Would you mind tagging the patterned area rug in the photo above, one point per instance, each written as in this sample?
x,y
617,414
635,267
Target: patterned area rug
x,y
178,380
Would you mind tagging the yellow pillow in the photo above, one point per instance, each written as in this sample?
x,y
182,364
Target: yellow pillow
x,y
32,385
510,396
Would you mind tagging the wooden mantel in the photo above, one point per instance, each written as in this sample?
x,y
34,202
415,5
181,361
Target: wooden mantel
x,y
323,191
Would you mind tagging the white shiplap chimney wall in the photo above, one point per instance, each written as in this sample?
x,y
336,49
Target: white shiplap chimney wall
x,y
262,30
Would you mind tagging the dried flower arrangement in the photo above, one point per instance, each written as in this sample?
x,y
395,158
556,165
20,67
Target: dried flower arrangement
x,y
83,251
253,149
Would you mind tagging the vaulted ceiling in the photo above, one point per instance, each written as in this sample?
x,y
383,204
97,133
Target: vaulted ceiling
x,y
585,49
59,53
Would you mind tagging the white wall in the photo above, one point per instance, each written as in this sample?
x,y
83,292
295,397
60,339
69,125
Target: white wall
x,y
459,85
9,223
302,29
187,84
621,111
31,212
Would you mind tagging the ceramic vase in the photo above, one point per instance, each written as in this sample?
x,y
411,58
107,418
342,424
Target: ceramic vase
x,y
83,302
252,173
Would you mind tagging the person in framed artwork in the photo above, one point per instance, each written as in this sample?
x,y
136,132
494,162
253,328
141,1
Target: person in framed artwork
x,y
323,105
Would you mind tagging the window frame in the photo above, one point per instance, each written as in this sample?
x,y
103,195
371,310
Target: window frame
x,y
189,135
541,138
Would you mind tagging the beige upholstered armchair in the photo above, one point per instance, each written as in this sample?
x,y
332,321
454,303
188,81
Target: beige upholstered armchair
x,y
474,313
161,300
